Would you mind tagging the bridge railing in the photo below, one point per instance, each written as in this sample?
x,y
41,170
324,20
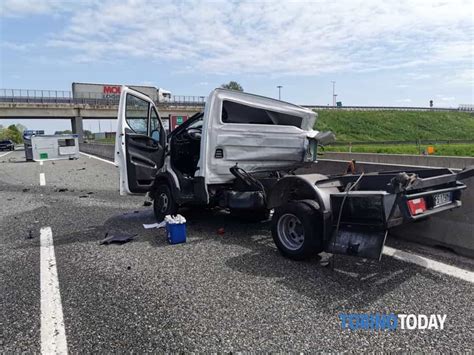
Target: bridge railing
x,y
93,98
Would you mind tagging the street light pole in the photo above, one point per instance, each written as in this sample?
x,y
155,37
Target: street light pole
x,y
279,91
333,93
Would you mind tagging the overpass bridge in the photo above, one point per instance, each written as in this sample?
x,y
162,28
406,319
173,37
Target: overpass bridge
x,y
51,104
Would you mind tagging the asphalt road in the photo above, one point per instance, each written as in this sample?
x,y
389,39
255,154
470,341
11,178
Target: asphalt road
x,y
230,292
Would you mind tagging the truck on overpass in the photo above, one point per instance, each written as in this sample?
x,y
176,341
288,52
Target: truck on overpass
x,y
111,92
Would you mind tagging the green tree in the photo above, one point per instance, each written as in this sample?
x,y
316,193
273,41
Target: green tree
x,y
232,85
11,132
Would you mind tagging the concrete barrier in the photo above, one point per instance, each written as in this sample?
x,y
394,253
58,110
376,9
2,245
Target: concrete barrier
x,y
105,151
405,159
453,229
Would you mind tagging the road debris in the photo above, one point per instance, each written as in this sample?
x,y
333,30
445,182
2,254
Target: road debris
x,y
117,237
155,225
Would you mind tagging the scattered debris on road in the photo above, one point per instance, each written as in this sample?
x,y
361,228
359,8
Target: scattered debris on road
x,y
117,237
155,225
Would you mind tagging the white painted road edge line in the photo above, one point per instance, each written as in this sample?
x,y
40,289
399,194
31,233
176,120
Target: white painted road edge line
x,y
5,154
430,264
42,179
398,254
93,156
53,333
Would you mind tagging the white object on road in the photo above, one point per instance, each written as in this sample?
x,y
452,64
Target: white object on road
x,y
178,219
155,225
53,334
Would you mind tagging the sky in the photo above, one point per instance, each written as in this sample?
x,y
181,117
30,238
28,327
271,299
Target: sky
x,y
391,53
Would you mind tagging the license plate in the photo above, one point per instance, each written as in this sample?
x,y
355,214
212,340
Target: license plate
x,y
442,199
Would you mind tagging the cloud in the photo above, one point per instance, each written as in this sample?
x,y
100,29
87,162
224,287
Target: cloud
x,y
265,37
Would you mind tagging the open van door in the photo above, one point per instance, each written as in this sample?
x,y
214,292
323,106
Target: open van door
x,y
140,142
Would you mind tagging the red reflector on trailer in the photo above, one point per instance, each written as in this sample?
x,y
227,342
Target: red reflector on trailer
x,y
417,206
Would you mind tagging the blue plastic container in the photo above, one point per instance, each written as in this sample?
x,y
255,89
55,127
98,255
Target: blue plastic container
x,y
176,233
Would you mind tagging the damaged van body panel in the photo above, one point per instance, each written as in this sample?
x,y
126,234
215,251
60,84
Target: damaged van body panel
x,y
257,133
241,154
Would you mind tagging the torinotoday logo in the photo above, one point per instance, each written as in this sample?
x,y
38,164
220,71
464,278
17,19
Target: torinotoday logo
x,y
392,321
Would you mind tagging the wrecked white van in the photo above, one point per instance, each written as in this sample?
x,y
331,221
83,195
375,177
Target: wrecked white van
x,y
241,154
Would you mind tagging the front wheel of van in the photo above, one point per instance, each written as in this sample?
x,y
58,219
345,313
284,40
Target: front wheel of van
x,y
163,203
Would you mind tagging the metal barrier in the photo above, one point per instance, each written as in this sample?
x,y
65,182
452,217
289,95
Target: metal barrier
x,y
66,97
62,96
381,108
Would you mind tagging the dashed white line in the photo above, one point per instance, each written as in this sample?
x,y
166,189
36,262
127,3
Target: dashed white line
x,y
42,179
93,156
41,162
53,333
430,264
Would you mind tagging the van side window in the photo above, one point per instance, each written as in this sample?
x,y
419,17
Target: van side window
x,y
136,114
233,112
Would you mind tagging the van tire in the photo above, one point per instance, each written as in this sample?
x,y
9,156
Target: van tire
x,y
163,202
297,230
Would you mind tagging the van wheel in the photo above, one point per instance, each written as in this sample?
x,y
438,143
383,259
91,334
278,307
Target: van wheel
x,y
297,230
163,203
251,215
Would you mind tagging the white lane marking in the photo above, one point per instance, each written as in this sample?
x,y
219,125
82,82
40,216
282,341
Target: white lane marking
x,y
93,156
6,153
430,264
42,179
53,333
41,162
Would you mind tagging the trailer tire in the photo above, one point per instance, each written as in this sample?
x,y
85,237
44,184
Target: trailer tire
x,y
163,202
297,230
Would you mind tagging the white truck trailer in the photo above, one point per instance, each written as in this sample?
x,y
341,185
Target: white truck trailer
x,y
111,92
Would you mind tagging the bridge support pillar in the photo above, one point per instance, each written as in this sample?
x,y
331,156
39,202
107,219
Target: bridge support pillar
x,y
76,124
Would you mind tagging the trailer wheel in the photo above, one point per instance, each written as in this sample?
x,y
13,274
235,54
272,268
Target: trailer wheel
x,y
297,231
163,203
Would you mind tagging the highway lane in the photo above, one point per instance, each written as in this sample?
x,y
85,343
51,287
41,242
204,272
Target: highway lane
x,y
226,292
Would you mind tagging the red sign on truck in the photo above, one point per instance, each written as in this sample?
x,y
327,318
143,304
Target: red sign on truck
x,y
111,89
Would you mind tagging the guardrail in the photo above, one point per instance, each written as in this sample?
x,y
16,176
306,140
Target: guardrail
x,y
418,142
389,108
66,97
